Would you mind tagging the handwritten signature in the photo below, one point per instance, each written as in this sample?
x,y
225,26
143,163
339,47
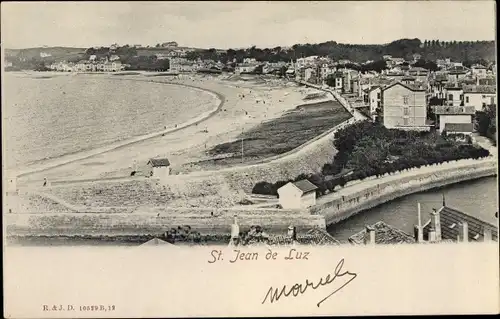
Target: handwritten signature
x,y
274,294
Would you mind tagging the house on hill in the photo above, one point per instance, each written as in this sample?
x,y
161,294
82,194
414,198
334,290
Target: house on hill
x,y
297,195
159,167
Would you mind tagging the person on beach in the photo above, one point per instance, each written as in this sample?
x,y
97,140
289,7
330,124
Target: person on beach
x,y
44,182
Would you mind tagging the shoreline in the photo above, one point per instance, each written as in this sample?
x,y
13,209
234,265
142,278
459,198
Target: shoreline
x,y
185,144
46,164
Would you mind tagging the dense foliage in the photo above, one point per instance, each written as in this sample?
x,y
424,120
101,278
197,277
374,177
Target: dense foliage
x,y
486,121
370,149
466,51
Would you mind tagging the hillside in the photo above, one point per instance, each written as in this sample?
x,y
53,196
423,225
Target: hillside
x,y
404,48
56,52
465,51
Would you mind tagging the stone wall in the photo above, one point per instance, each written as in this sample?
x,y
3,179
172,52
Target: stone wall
x,y
123,224
357,196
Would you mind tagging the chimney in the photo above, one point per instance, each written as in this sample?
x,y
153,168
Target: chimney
x,y
432,235
235,229
292,232
486,234
370,235
436,223
463,232
420,231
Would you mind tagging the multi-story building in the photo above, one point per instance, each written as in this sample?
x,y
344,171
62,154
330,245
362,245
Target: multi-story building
x,y
478,70
374,99
404,107
454,94
479,96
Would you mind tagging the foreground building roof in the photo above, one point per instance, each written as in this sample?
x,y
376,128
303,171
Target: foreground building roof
x,y
384,234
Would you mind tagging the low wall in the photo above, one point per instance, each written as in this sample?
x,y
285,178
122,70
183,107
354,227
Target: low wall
x,y
361,195
110,225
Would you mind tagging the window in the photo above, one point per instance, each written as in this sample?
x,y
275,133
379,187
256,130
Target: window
x,y
450,97
405,99
466,99
378,95
405,121
406,111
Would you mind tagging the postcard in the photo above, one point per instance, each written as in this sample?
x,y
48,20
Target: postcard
x,y
228,159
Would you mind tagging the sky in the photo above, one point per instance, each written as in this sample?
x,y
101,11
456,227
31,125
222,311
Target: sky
x,y
238,24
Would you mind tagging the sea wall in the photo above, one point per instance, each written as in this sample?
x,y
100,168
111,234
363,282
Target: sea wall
x,y
139,224
357,196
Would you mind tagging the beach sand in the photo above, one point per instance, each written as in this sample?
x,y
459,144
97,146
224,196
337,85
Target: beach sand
x,y
188,144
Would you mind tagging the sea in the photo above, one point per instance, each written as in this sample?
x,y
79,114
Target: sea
x,y
50,115
478,198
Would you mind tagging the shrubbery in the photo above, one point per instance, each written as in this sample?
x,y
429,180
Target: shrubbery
x,y
369,149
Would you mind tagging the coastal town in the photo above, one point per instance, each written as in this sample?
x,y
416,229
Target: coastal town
x,y
425,124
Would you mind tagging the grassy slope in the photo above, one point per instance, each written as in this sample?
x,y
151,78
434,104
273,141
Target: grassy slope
x,y
283,134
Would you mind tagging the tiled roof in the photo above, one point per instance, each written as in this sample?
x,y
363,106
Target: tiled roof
x,y
480,89
418,69
459,127
445,109
441,77
305,186
453,86
450,224
384,234
159,162
411,87
487,81
315,236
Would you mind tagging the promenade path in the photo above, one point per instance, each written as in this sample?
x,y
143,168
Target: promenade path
x,y
355,113
357,186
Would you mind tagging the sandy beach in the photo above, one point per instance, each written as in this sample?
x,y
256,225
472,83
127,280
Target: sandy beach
x,y
244,105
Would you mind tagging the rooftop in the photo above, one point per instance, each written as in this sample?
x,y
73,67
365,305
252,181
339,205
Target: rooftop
x,y
459,127
445,109
159,162
411,87
480,89
305,186
451,220
315,236
384,234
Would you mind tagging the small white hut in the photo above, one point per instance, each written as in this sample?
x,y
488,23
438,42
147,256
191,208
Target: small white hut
x,y
297,195
159,167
